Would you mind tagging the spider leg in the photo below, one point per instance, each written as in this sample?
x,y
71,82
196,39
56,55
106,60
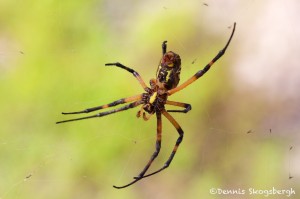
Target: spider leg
x,y
205,69
179,140
164,50
123,108
154,155
164,47
157,146
187,107
146,117
127,185
115,103
135,74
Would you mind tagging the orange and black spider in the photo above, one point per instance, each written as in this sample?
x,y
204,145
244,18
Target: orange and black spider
x,y
154,99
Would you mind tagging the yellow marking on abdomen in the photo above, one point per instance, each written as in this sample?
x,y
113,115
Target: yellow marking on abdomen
x,y
168,75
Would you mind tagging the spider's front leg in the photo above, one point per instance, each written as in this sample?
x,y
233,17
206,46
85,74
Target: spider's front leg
x,y
114,103
138,100
101,114
142,112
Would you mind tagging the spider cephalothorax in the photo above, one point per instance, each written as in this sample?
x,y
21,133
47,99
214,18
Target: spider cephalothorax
x,y
154,99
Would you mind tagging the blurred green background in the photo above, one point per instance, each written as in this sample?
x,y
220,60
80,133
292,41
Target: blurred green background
x,y
242,132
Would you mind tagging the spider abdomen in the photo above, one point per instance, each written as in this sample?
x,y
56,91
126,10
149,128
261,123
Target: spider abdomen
x,y
168,74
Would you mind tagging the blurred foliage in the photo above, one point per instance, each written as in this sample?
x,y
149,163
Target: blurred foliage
x,y
52,56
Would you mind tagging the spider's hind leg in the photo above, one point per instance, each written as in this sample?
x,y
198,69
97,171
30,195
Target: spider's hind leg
x,y
164,47
200,73
179,140
157,146
154,155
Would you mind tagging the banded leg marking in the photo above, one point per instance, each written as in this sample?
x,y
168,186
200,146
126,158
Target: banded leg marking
x,y
135,74
115,103
205,69
187,107
123,108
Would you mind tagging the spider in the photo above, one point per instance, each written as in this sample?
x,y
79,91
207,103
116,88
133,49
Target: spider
x,y
154,99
